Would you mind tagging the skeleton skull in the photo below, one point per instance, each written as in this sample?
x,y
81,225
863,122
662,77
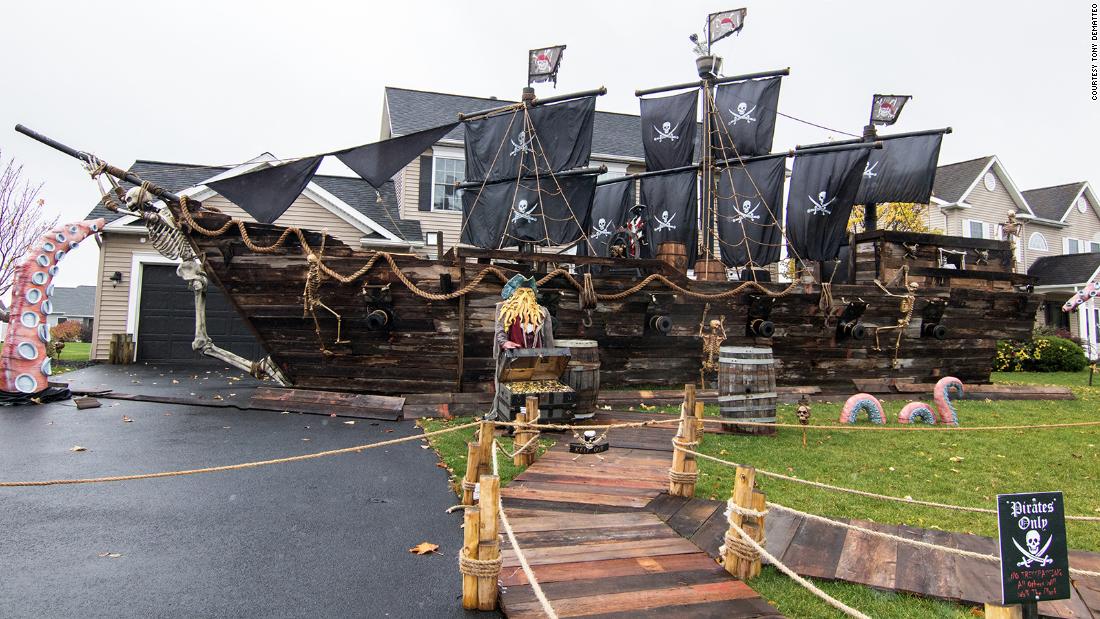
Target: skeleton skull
x,y
522,206
714,324
666,126
664,215
603,223
746,205
742,107
1032,539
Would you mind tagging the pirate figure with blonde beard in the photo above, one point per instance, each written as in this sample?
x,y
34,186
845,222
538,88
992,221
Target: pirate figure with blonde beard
x,y
520,321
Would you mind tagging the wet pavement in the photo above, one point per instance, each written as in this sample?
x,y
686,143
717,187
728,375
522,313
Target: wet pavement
x,y
326,537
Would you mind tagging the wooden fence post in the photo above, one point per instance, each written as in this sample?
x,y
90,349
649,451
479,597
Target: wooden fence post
x,y
486,436
996,611
471,532
682,475
488,545
699,430
742,497
519,438
469,480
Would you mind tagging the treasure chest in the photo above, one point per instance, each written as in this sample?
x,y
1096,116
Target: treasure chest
x,y
530,372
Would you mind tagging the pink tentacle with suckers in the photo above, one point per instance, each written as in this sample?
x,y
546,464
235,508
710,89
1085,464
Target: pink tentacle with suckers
x,y
942,398
862,402
24,359
914,411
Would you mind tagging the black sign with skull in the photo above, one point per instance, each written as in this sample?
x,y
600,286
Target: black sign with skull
x,y
745,122
668,130
1034,561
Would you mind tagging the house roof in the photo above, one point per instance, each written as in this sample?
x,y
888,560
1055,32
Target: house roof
x,y
74,302
355,192
954,179
614,134
1065,270
1053,202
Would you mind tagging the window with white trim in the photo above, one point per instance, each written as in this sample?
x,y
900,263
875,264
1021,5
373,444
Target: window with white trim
x,y
973,228
1073,246
1038,242
1094,246
446,171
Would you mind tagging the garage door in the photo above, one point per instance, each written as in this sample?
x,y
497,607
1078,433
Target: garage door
x,y
166,319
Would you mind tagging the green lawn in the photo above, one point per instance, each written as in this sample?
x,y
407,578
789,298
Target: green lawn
x,y
76,351
963,468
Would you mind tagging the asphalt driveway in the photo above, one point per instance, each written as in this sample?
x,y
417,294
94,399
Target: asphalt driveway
x,y
322,538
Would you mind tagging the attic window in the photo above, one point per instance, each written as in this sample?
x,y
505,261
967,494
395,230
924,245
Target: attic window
x,y
990,181
1037,242
1082,204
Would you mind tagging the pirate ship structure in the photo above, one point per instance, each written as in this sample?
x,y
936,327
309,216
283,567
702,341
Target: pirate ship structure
x,y
840,308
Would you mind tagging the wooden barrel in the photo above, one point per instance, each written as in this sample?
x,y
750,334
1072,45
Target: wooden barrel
x,y
674,255
746,387
582,374
710,270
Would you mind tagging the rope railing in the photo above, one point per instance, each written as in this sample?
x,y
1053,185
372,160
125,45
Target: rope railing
x,y
873,428
234,467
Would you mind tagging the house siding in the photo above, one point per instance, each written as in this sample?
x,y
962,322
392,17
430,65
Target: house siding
x,y
1082,226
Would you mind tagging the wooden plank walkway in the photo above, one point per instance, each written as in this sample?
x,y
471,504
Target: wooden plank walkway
x,y
597,551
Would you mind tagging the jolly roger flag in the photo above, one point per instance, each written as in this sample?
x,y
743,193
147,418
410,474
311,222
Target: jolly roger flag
x,y
670,204
542,64
267,193
721,25
903,170
377,163
822,192
505,214
552,138
668,130
750,198
609,209
746,117
885,109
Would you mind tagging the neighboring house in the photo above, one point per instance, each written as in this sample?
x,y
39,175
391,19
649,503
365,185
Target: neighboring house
x,y
72,304
426,186
139,293
972,198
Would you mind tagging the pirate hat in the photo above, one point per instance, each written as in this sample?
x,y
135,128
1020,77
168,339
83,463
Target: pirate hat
x,y
517,282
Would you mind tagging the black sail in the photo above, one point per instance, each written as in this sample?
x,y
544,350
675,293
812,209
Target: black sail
x,y
901,171
668,130
609,212
750,202
376,163
746,117
543,211
548,138
670,203
267,193
822,192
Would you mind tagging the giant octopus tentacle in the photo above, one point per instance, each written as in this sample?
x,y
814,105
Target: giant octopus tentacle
x,y
862,402
942,396
913,411
24,361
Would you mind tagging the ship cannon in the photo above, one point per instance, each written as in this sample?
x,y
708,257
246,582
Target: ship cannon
x,y
850,323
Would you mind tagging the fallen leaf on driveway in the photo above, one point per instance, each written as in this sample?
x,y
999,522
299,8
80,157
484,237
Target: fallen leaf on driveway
x,y
78,448
424,548
110,555
349,423
126,419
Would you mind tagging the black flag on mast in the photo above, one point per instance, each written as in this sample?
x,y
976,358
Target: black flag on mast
x,y
668,130
885,109
746,117
670,206
903,170
823,190
750,199
376,163
609,209
267,193
543,64
557,137
544,211
721,25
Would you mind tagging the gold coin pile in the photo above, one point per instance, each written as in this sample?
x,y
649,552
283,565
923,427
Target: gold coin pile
x,y
537,386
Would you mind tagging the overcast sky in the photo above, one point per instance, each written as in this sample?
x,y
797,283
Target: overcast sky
x,y
220,82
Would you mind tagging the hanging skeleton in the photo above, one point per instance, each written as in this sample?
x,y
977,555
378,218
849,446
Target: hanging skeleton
x,y
712,345
1011,230
908,303
311,299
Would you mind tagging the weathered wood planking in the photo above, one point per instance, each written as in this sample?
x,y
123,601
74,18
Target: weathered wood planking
x,y
597,552
328,403
423,352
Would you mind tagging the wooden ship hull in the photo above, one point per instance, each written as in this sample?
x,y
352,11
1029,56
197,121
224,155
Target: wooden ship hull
x,y
431,346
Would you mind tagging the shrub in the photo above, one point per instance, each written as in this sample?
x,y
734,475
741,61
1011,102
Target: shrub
x,y
68,331
1042,354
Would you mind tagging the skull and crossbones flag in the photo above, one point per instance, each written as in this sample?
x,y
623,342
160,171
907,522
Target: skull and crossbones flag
x,y
822,191
608,216
548,138
721,25
545,211
267,193
543,64
670,206
668,130
885,109
750,200
903,170
745,117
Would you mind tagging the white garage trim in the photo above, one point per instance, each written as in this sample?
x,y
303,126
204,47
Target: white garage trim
x,y
133,305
